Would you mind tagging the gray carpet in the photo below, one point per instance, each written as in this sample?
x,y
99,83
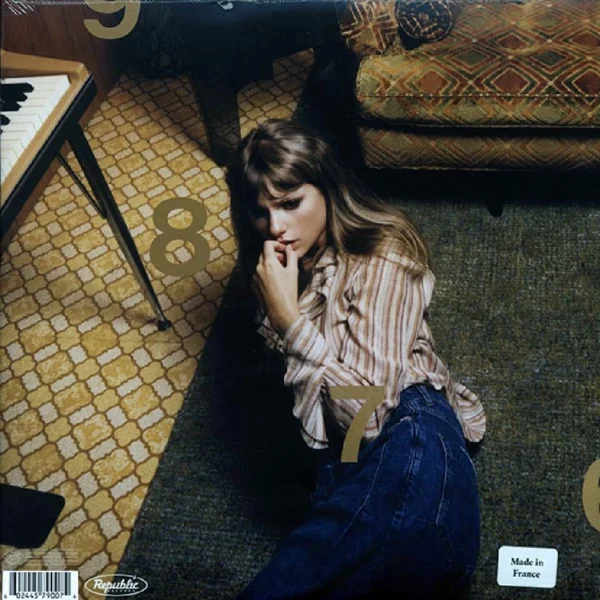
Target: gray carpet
x,y
515,314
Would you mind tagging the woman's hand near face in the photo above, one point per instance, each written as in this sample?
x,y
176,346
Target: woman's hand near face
x,y
280,252
278,285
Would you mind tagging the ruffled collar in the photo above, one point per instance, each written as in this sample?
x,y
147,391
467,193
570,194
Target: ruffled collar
x,y
312,300
322,272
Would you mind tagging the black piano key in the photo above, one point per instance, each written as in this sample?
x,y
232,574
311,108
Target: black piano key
x,y
18,90
4,120
10,106
12,94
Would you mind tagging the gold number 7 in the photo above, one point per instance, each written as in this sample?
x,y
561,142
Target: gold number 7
x,y
130,18
374,396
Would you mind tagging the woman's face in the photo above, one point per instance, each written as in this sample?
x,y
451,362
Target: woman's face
x,y
298,217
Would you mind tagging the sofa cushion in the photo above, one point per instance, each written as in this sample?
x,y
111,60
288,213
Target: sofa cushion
x,y
535,65
477,149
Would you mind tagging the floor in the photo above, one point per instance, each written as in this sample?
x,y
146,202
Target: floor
x,y
90,388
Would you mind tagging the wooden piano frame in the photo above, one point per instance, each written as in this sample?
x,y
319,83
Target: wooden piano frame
x,y
63,124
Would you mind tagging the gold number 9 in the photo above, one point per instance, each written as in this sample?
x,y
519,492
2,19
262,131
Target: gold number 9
x,y
374,395
591,495
190,234
130,18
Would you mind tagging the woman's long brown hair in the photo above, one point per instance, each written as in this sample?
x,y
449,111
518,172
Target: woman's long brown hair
x,y
288,155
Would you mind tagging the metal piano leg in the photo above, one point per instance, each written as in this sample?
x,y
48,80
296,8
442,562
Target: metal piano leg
x,y
104,196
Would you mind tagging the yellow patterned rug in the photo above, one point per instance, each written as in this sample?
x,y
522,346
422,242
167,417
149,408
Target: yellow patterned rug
x,y
90,387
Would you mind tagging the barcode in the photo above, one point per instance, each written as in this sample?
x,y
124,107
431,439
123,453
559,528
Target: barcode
x,y
58,585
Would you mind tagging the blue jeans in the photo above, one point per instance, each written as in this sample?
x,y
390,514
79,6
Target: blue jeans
x,y
402,521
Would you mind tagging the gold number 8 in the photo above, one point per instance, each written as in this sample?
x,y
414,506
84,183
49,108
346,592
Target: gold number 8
x,y
130,18
158,248
374,395
591,495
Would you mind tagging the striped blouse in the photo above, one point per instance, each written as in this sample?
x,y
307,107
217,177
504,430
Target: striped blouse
x,y
363,322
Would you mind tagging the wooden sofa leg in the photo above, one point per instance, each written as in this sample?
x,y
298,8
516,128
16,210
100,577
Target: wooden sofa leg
x,y
495,206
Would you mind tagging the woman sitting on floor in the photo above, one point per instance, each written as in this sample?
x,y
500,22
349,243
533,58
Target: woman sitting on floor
x,y
343,282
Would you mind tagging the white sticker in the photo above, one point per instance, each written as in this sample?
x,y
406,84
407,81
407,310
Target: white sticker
x,y
520,566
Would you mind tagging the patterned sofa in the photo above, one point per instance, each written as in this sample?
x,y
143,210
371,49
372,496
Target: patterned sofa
x,y
494,85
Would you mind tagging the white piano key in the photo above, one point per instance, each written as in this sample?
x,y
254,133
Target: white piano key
x,y
10,135
41,102
5,167
16,118
25,135
8,145
28,110
50,81
22,136
45,94
35,100
26,127
9,154
33,112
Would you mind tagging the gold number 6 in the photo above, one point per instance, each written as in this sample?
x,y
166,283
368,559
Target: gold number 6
x,y
130,18
591,495
374,396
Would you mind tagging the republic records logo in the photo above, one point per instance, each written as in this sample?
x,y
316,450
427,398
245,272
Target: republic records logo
x,y
117,585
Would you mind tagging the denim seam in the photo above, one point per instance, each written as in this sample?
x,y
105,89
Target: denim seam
x,y
440,527
440,415
438,516
431,408
364,502
399,508
400,421
419,390
413,462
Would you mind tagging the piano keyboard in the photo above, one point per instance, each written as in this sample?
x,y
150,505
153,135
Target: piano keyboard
x,y
25,104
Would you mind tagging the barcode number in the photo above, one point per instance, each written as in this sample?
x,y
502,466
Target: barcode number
x,y
38,585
